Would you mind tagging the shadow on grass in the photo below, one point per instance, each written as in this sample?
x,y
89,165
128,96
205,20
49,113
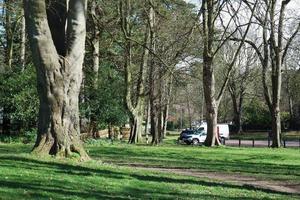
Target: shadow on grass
x,y
186,160
81,172
39,191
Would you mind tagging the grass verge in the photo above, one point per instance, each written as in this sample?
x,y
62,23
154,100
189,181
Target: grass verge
x,y
23,176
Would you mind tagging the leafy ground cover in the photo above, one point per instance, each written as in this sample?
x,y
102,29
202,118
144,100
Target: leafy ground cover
x,y
23,176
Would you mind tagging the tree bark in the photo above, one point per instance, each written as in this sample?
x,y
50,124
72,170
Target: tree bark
x,y
210,102
153,83
147,122
94,12
23,42
276,51
58,54
237,98
9,34
169,86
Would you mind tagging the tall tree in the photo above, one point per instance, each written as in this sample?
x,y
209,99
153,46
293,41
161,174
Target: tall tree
x,y
57,31
275,45
135,101
210,13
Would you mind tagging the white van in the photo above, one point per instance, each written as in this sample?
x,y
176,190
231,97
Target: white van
x,y
222,129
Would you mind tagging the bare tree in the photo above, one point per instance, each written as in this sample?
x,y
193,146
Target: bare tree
x,y
272,52
210,13
57,37
240,81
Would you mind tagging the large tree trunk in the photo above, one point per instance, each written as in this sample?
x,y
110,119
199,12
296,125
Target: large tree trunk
x,y
277,57
238,122
147,122
154,103
208,74
167,105
237,109
211,117
59,73
155,114
275,109
159,108
154,84
210,102
154,117
137,124
276,128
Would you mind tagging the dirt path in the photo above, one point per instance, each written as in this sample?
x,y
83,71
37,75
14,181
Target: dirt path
x,y
236,179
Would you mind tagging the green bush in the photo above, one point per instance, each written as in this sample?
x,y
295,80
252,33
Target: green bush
x,y
19,98
256,116
170,126
30,136
104,102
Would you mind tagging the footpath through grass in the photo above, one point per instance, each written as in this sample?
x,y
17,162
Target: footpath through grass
x,y
265,163
23,176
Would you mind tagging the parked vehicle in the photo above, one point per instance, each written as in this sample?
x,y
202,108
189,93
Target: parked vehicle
x,y
192,136
222,130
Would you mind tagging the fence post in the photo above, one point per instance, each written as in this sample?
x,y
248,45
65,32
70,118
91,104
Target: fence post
x,y
253,142
284,145
239,142
268,141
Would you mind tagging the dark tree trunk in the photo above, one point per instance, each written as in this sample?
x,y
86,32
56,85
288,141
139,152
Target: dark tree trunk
x,y
237,110
6,122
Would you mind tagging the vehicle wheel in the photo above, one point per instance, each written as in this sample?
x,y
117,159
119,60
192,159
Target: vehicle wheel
x,y
195,141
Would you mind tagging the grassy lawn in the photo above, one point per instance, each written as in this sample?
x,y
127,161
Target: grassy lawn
x,y
23,176
273,164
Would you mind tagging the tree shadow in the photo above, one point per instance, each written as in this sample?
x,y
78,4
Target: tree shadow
x,y
83,171
243,165
64,168
38,191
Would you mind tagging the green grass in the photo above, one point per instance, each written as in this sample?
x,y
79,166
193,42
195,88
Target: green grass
x,y
23,176
266,163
